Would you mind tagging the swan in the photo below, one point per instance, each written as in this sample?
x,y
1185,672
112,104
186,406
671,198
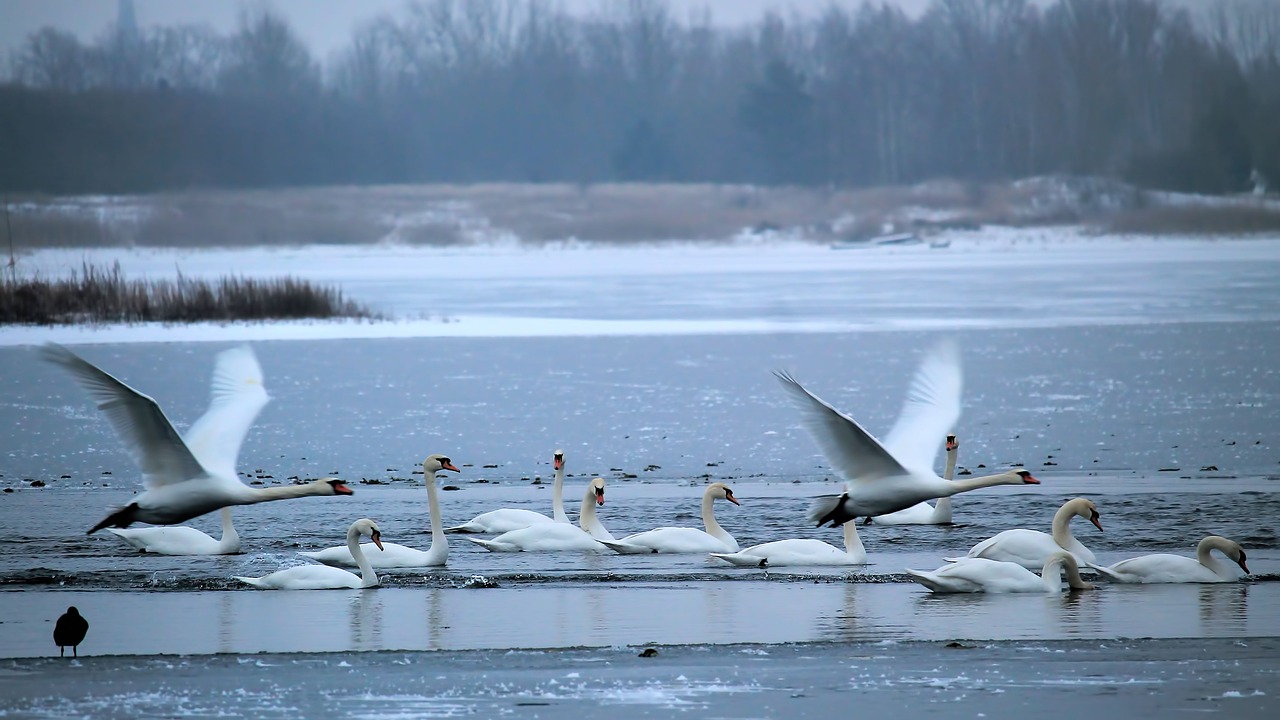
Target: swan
x,y
923,513
1167,568
323,577
971,575
882,479
685,540
1030,548
801,551
182,540
507,519
186,477
554,536
394,555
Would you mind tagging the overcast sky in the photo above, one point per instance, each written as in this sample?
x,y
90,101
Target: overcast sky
x,y
324,24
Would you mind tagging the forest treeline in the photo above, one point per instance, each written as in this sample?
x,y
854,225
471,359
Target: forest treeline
x,y
524,91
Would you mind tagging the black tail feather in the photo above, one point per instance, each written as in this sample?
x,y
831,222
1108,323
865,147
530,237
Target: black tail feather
x,y
122,518
830,509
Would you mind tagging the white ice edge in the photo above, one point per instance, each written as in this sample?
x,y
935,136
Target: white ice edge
x,y
521,327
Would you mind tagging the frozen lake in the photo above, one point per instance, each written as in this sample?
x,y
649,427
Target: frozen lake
x,y
1139,373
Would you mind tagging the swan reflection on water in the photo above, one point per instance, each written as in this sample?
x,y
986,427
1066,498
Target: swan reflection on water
x,y
1224,609
365,620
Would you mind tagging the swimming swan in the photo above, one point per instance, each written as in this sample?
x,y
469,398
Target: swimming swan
x,y
801,552
1168,568
182,540
394,555
323,577
554,536
881,479
973,575
1030,548
186,478
923,513
685,540
507,519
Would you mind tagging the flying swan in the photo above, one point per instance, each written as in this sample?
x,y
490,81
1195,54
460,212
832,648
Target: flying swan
x,y
394,555
323,577
507,519
186,477
881,479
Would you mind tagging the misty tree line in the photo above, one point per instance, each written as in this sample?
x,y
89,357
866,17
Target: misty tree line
x,y
521,90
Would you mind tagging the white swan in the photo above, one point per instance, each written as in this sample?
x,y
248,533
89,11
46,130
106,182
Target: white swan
x,y
185,478
801,551
508,519
1030,548
972,575
394,555
182,540
923,513
1168,568
682,539
554,536
886,478
323,577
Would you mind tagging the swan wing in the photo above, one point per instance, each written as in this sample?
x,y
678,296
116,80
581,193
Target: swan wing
x,y
930,411
148,435
850,449
238,396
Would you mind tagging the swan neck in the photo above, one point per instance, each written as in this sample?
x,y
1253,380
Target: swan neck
x,y
368,578
852,541
1204,553
587,514
1072,569
229,534
557,497
950,472
285,492
709,517
1062,525
438,538
959,486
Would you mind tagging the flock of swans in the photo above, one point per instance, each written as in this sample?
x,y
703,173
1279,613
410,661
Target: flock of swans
x,y
888,483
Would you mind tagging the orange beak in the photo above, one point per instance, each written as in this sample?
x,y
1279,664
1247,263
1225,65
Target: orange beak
x,y
449,466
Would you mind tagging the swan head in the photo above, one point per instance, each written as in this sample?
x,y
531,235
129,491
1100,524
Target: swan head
x,y
369,529
1239,558
1025,477
557,460
597,486
952,443
1230,548
332,486
720,491
1087,510
436,463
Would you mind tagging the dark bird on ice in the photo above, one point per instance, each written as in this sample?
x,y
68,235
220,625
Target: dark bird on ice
x,y
70,630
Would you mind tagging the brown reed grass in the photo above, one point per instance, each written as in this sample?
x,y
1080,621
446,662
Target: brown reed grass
x,y
104,295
